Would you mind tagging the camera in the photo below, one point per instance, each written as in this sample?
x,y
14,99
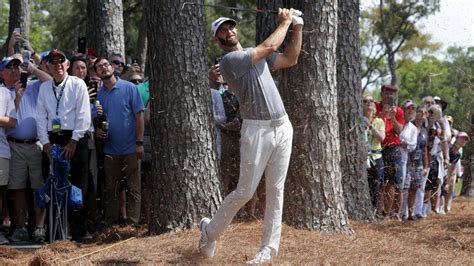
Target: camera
x,y
26,58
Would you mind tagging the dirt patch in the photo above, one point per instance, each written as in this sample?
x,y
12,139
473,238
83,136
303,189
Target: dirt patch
x,y
447,239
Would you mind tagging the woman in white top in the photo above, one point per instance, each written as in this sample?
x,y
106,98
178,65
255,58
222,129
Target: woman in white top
x,y
408,138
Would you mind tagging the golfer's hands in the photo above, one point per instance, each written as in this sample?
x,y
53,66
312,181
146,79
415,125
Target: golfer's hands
x,y
285,15
297,19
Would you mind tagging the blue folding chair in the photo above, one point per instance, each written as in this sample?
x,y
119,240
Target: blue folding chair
x,y
55,195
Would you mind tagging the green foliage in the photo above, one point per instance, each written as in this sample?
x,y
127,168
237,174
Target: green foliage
x,y
391,29
452,80
4,13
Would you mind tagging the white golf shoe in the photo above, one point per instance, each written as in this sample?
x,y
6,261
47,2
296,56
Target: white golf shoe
x,y
263,256
206,246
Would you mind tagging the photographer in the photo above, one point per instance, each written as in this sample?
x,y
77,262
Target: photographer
x,y
393,117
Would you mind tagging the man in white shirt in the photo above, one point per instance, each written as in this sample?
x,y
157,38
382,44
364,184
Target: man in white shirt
x,y
63,118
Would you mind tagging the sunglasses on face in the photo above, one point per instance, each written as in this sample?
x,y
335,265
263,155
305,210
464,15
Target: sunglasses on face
x,y
429,102
118,62
368,100
57,61
136,81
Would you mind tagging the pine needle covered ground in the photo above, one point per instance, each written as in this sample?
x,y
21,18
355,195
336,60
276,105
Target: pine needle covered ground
x,y
447,239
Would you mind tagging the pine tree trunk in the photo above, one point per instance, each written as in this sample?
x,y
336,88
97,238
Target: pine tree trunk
x,y
467,184
349,105
142,43
266,22
19,17
313,193
185,186
105,27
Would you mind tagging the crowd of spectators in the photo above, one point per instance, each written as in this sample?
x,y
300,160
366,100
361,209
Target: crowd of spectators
x,y
96,110
413,157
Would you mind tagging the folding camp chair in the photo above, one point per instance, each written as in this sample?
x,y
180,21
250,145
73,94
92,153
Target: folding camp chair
x,y
54,195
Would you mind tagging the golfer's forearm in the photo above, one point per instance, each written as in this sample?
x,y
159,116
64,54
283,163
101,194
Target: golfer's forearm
x,y
292,51
276,38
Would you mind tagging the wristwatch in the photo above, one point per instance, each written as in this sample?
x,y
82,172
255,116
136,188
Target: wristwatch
x,y
139,142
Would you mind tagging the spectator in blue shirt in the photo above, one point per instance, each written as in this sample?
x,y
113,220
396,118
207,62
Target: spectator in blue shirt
x,y
123,146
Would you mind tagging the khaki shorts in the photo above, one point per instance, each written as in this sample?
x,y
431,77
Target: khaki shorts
x,y
4,171
25,164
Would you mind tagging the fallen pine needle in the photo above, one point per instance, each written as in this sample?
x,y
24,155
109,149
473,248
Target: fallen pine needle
x,y
97,251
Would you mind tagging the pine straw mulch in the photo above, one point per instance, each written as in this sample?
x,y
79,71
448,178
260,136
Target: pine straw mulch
x,y
437,239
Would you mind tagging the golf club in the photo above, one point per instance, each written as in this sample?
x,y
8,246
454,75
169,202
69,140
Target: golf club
x,y
295,12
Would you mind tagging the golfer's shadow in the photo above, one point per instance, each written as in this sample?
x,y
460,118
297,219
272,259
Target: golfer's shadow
x,y
190,255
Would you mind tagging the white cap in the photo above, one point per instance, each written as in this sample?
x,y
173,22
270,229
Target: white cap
x,y
218,22
436,98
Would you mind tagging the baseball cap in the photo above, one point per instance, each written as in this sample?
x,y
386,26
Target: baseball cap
x,y
389,87
55,54
218,22
408,103
436,98
449,118
463,135
8,60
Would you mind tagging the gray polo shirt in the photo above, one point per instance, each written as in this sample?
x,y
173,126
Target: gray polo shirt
x,y
253,85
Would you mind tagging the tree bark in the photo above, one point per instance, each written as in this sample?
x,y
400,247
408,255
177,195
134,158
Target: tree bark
x,y
185,186
19,17
105,27
349,106
266,22
314,197
467,184
142,43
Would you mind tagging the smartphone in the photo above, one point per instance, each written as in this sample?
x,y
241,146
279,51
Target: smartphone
x,y
217,60
93,85
135,61
26,58
23,79
17,30
82,45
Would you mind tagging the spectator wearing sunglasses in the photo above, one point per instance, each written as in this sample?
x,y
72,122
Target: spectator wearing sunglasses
x,y
118,64
133,74
375,128
26,152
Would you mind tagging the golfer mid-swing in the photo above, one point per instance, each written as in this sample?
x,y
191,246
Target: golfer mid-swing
x,y
266,134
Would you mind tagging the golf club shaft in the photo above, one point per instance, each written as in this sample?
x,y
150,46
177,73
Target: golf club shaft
x,y
232,8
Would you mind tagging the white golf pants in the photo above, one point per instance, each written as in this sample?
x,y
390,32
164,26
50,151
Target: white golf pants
x,y
265,146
